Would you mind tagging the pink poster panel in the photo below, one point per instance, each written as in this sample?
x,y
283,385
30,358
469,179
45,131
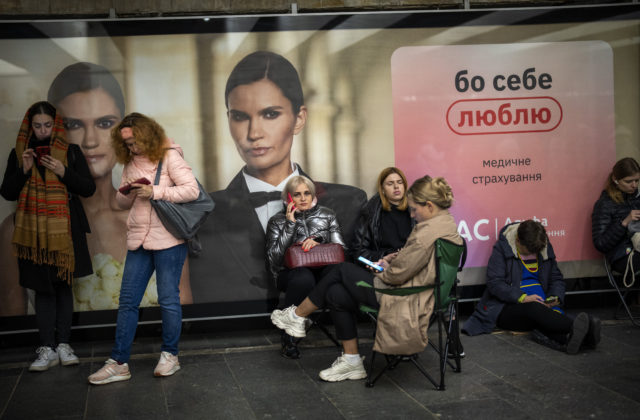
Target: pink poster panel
x,y
520,131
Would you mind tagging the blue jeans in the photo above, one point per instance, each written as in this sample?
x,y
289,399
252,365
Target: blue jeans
x,y
137,270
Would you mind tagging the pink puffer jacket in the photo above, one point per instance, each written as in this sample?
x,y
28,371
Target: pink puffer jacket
x,y
177,184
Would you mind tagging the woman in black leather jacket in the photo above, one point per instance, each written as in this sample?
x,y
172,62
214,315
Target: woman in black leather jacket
x,y
385,223
303,221
618,205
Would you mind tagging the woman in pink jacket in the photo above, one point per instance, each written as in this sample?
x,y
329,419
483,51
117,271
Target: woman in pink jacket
x,y
140,144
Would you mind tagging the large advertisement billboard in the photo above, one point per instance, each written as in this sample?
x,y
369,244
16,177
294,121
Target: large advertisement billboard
x,y
523,112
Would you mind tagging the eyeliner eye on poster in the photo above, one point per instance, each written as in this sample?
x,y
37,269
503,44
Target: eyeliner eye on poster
x,y
523,112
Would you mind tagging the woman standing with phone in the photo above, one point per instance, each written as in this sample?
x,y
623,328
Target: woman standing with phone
x,y
49,238
141,144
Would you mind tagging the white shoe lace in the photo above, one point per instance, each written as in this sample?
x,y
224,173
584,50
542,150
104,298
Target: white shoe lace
x,y
42,352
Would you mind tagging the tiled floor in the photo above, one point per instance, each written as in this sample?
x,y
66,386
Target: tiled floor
x,y
242,376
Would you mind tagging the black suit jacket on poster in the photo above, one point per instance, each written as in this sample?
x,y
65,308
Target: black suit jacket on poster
x,y
232,266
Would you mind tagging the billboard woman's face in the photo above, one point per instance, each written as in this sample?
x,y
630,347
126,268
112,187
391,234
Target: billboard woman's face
x,y
262,124
88,119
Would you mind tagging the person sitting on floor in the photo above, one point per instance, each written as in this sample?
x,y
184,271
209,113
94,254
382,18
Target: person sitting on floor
x,y
402,330
525,291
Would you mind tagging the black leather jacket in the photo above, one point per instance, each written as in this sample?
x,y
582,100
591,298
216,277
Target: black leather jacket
x,y
367,233
609,236
318,222
366,238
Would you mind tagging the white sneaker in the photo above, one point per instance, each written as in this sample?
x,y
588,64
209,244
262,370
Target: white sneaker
x,y
167,365
341,369
66,356
47,357
110,372
289,322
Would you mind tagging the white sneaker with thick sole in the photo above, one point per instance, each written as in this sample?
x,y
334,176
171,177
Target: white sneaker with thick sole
x,y
66,356
288,321
167,365
110,372
341,370
47,357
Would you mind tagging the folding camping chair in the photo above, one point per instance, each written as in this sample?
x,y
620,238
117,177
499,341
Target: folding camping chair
x,y
450,259
635,320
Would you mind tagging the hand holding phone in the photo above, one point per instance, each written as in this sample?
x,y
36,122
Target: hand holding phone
x,y
551,300
290,200
291,209
371,264
42,151
126,189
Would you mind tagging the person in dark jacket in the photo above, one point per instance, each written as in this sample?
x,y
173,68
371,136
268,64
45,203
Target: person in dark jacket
x,y
385,222
303,221
45,175
617,207
265,110
525,292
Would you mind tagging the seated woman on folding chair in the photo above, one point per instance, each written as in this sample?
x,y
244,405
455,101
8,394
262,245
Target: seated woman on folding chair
x,y
306,222
401,329
385,223
525,290
615,214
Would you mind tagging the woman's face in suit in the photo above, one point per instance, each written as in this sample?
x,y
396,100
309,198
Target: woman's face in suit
x,y
262,124
88,119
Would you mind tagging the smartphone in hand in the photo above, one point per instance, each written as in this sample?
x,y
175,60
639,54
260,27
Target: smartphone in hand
x,y
126,189
290,200
42,151
371,264
551,300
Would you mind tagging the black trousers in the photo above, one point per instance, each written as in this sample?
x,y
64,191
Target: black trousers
x,y
535,316
296,283
54,313
337,290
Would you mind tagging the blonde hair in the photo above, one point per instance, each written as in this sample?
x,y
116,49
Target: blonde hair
x,y
149,135
293,183
386,205
436,190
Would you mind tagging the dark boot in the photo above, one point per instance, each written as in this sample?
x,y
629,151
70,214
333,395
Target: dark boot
x,y
540,338
578,332
289,346
592,338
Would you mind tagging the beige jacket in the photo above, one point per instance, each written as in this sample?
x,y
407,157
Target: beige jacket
x,y
403,320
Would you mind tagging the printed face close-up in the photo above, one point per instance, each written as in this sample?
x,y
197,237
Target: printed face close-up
x,y
393,188
262,124
629,184
88,119
302,197
42,125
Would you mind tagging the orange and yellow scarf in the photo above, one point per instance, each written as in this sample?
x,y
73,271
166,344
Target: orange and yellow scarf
x,y
42,223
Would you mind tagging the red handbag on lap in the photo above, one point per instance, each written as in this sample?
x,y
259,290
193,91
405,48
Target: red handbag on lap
x,y
318,256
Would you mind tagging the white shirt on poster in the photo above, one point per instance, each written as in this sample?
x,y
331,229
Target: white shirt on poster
x,y
272,207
